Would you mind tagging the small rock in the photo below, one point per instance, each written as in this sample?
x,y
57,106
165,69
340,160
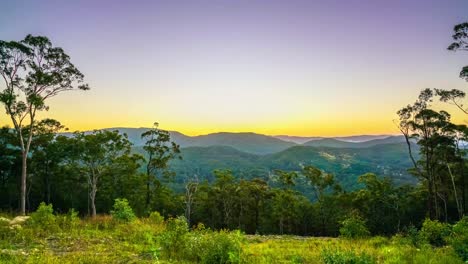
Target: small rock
x,y
19,220
17,227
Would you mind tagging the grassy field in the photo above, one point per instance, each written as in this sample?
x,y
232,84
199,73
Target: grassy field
x,y
47,238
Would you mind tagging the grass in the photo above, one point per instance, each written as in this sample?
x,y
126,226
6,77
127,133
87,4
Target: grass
x,y
105,240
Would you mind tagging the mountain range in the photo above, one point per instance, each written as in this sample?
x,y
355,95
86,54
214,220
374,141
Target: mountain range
x,y
263,144
251,155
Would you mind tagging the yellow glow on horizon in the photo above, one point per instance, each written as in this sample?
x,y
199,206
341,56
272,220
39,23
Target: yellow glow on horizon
x,y
301,120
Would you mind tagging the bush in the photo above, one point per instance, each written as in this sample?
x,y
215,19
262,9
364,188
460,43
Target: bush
x,y
173,240
337,256
122,211
156,218
70,220
220,247
413,235
43,219
354,227
459,238
434,232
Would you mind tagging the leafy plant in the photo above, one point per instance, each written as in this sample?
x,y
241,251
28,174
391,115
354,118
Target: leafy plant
x,y
354,227
156,218
173,241
434,232
221,247
122,211
459,238
43,219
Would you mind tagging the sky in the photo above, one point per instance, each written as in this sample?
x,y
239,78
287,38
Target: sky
x,y
304,68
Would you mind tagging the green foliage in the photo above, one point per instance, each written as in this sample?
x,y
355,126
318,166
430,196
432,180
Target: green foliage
x,y
434,232
43,219
156,218
413,235
354,227
122,211
337,256
173,241
142,241
220,247
459,238
69,221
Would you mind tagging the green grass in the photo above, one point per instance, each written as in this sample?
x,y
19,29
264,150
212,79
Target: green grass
x,y
105,240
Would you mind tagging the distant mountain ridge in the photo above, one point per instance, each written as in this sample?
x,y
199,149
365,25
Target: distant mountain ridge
x,y
335,143
356,138
263,144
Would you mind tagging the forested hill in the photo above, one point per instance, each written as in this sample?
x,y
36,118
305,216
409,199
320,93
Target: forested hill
x,y
347,164
247,142
251,155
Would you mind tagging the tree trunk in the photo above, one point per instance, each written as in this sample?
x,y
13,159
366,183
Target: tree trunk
x,y
92,196
148,191
23,182
93,180
459,208
256,216
430,201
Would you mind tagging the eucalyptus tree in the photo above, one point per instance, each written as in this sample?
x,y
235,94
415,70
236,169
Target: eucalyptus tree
x,y
159,151
47,154
33,71
191,188
321,183
284,199
436,136
98,153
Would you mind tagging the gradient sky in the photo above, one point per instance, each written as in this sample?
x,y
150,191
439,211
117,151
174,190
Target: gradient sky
x,y
311,68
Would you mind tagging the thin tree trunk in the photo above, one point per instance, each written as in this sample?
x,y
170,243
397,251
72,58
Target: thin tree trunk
x,y
92,196
93,205
148,192
23,183
459,209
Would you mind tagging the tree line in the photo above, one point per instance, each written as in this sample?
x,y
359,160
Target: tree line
x,y
87,171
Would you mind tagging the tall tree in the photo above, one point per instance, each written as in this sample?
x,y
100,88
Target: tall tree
x,y
321,183
159,151
97,154
33,71
46,153
435,134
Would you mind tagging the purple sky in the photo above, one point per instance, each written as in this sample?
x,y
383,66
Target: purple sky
x,y
275,67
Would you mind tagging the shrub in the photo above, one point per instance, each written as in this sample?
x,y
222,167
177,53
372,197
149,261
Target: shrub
x,y
156,218
413,235
70,220
220,247
122,211
459,238
43,219
354,227
434,232
337,256
173,240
